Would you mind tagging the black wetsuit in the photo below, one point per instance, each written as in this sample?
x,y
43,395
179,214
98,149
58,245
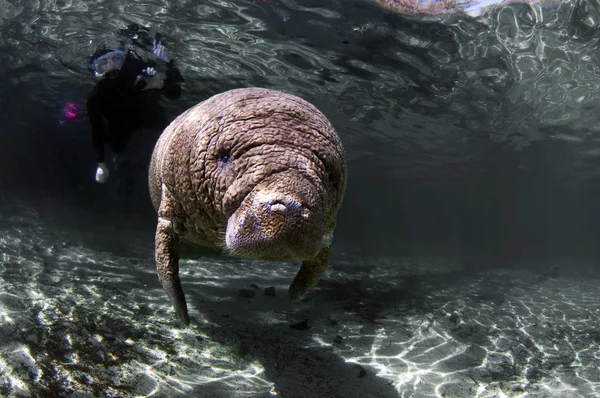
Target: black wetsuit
x,y
126,106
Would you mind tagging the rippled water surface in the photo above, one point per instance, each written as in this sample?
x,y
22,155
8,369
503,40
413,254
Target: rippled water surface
x,y
473,141
433,101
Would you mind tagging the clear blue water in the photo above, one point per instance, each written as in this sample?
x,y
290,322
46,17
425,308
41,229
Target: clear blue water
x,y
472,143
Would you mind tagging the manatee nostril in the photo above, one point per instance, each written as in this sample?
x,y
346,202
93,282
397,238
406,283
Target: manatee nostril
x,y
278,207
290,207
283,205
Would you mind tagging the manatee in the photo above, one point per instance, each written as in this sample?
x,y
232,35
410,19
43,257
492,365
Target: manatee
x,y
471,8
251,173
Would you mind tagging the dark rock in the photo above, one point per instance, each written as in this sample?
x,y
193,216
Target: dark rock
x,y
246,292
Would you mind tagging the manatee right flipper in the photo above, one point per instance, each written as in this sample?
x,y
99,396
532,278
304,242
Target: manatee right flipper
x,y
309,274
167,256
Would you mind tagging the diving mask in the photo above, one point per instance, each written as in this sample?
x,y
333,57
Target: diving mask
x,y
109,62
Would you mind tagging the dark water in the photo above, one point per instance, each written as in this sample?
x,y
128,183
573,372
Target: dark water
x,y
475,139
469,135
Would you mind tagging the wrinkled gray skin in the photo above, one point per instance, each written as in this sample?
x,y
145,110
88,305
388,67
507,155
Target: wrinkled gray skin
x,y
252,173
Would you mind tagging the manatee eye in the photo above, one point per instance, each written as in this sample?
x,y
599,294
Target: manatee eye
x,y
224,156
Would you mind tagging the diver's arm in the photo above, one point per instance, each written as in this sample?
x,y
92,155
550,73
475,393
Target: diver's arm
x,y
171,88
149,79
142,75
133,75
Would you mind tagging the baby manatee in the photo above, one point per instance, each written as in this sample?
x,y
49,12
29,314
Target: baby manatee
x,y
252,173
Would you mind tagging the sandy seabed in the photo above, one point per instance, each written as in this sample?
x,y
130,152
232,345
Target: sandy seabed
x,y
78,321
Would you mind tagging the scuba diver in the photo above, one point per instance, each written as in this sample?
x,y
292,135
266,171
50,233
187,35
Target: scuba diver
x,y
127,97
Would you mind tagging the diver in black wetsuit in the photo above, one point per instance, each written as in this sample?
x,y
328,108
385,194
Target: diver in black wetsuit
x,y
127,96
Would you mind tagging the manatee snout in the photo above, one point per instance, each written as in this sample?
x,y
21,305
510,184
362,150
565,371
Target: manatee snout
x,y
279,220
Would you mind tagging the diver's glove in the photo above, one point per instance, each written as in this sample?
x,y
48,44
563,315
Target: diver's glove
x,y
102,173
149,79
159,50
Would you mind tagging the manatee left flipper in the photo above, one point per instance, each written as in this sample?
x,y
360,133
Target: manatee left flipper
x,y
167,256
309,274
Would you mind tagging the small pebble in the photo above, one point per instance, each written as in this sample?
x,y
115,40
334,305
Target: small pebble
x,y
361,371
455,317
242,349
302,325
270,291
